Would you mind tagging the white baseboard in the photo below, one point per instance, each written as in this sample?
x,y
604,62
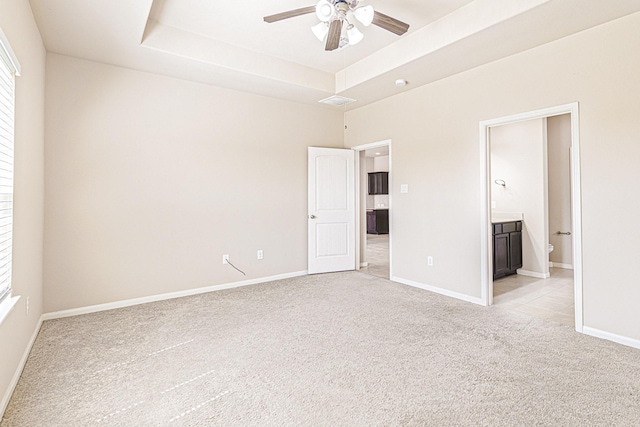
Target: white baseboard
x,y
560,265
631,342
16,376
535,274
162,297
437,290
364,264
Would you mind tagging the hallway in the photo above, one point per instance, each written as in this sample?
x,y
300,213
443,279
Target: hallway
x,y
377,255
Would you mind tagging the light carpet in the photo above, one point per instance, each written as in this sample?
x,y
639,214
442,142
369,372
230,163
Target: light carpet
x,y
344,349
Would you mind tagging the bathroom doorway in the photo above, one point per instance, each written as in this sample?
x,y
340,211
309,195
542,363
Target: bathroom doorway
x,y
531,214
531,184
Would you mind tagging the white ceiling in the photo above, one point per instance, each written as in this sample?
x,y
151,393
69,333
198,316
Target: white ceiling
x,y
227,44
377,152
291,39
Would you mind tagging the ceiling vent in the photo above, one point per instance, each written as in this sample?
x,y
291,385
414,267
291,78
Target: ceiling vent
x,y
337,101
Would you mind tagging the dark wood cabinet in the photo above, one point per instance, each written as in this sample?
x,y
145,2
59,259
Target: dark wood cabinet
x,y
500,255
507,248
379,183
378,221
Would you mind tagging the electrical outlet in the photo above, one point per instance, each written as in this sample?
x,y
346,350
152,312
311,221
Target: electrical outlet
x,y
260,254
27,303
430,261
225,259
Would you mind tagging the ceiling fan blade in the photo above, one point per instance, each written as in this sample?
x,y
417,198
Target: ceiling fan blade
x,y
333,38
389,23
289,14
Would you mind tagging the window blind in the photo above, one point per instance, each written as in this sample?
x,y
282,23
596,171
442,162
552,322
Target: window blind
x,y
7,105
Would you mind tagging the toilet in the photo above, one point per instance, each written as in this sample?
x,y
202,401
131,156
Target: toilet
x,y
550,248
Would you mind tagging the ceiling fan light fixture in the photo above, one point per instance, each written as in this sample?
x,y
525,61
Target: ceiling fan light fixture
x,y
320,30
337,17
324,10
354,35
364,14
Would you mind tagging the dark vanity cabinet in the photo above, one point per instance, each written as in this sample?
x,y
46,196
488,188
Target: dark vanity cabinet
x,y
379,183
378,221
507,248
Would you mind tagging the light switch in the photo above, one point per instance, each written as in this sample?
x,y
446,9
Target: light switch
x,y
404,188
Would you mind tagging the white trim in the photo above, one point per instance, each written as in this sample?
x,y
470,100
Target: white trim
x,y
6,306
438,290
560,265
162,297
358,149
356,183
364,264
535,274
7,54
16,376
631,342
378,144
576,201
486,228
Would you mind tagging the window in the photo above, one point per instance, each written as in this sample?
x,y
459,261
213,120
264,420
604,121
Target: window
x,y
9,69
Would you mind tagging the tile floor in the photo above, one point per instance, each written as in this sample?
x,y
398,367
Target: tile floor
x,y
550,299
377,255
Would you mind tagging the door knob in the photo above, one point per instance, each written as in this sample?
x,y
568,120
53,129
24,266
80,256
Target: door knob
x,y
312,217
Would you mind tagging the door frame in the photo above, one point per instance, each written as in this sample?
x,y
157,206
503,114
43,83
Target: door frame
x,y
486,249
358,149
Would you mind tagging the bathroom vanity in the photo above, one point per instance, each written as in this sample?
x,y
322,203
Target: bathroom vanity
x,y
378,221
507,247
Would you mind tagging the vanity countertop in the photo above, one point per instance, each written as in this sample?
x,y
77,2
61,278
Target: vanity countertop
x,y
498,217
502,220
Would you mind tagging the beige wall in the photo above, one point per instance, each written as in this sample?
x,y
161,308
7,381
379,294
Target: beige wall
x,y
16,331
518,157
436,151
381,164
558,146
150,180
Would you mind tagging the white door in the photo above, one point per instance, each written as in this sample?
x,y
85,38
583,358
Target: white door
x,y
331,215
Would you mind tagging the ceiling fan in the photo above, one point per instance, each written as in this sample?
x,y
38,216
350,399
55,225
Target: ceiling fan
x,y
335,24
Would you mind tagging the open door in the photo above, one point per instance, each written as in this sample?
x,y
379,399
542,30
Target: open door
x,y
331,214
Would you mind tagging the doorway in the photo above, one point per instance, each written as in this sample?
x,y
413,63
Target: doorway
x,y
534,279
531,218
374,218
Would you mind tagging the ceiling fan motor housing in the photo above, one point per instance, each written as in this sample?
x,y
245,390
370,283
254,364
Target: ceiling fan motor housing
x,y
328,10
341,9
